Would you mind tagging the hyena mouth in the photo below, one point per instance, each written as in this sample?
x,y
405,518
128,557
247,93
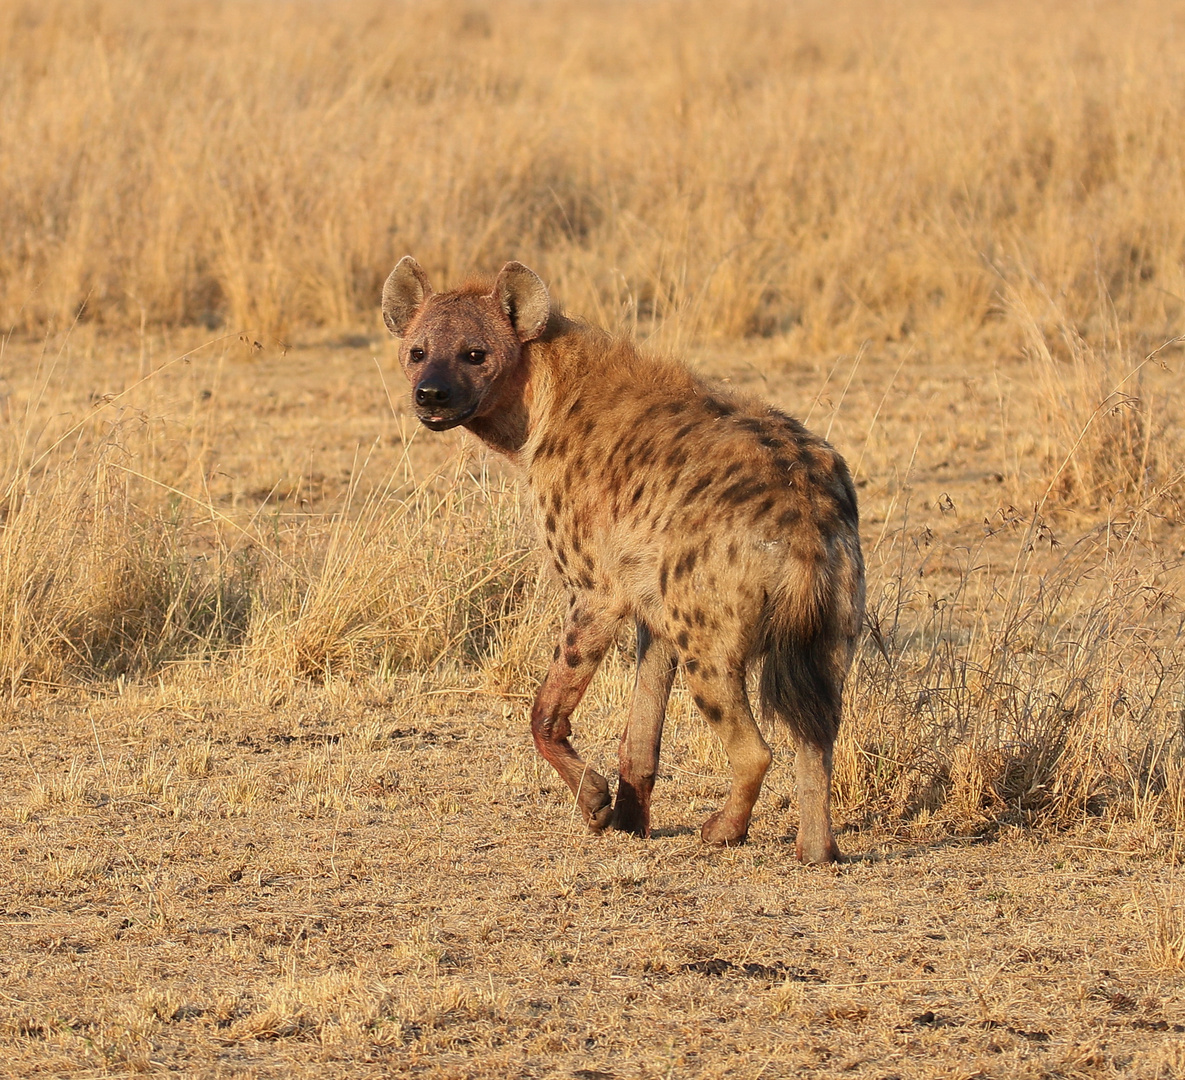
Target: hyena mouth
x,y
438,422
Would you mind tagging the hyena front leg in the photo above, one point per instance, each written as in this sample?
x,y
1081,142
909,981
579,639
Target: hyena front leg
x,y
587,634
640,742
720,695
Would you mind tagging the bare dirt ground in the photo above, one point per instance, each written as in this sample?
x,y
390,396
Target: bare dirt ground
x,y
392,907
216,874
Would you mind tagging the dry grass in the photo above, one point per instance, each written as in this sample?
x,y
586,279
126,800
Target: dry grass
x,y
268,804
830,172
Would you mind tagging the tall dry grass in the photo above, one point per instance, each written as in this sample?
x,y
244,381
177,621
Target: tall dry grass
x,y
107,571
831,172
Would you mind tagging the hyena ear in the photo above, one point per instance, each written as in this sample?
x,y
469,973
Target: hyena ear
x,y
406,289
523,297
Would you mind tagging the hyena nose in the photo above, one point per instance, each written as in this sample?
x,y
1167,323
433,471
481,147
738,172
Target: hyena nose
x,y
432,393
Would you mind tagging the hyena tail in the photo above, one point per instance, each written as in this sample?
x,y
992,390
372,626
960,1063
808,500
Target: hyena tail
x,y
805,650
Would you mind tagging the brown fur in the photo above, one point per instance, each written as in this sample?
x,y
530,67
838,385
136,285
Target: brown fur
x,y
724,528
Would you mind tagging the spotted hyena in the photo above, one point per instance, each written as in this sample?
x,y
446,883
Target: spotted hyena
x,y
724,528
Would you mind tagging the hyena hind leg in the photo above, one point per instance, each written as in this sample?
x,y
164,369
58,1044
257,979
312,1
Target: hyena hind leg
x,y
802,683
816,840
719,693
642,738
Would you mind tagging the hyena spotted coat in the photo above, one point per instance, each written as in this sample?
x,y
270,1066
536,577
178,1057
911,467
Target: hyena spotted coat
x,y
723,527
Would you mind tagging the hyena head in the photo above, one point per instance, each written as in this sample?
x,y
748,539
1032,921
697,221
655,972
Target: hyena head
x,y
458,349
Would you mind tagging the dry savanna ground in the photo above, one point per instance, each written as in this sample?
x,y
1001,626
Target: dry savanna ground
x,y
269,805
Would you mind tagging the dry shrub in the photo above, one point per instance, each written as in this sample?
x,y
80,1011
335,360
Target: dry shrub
x,y
827,171
436,573
1042,687
1104,438
95,582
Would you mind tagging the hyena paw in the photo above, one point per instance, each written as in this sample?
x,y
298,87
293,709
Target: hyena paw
x,y
818,851
631,813
595,802
600,818
631,819
721,830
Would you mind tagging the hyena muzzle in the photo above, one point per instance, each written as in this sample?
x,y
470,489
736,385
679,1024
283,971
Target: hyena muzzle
x,y
723,527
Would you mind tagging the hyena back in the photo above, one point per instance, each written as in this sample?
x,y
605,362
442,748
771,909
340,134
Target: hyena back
x,y
723,527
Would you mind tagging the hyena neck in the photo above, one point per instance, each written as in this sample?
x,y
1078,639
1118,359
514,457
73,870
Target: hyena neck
x,y
560,357
506,431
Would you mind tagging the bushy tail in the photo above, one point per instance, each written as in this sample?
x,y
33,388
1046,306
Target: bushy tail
x,y
804,661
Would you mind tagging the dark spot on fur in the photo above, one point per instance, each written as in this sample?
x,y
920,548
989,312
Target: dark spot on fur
x,y
742,491
662,580
716,407
681,639
585,581
596,655
767,504
700,618
732,470
732,552
587,427
685,430
790,517
699,702
572,658
677,458
556,655
691,663
575,407
674,408
771,443
570,638
638,493
550,524
749,423
713,713
700,485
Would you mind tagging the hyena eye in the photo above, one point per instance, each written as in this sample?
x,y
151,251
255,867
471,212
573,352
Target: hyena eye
x,y
475,356
416,355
